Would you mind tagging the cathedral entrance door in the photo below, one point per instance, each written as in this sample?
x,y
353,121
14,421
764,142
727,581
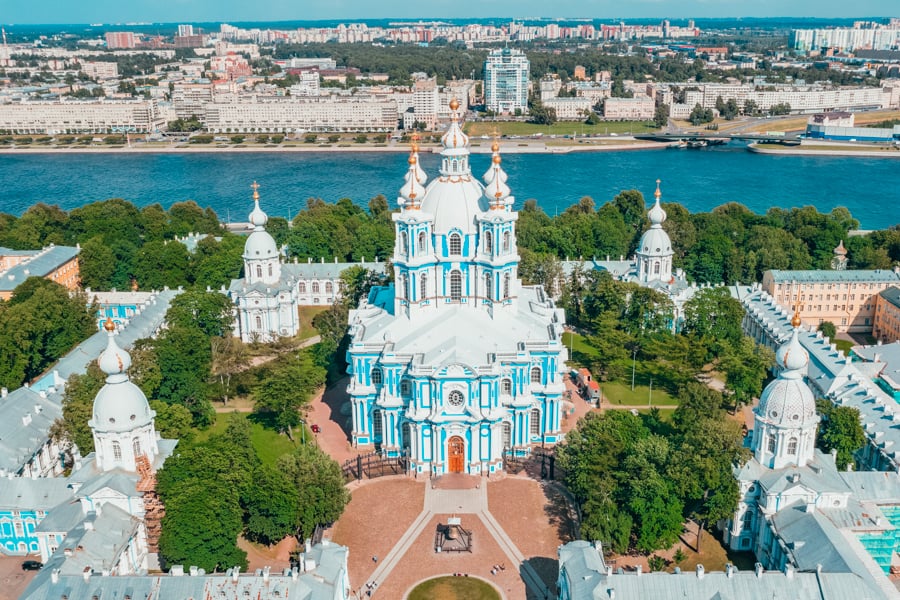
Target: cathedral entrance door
x,y
455,449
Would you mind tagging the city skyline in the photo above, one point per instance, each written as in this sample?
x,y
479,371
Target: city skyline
x,y
110,11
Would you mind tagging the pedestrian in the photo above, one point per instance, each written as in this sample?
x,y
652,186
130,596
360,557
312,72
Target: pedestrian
x,y
375,559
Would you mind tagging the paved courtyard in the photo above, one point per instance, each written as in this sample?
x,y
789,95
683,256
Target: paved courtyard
x,y
516,523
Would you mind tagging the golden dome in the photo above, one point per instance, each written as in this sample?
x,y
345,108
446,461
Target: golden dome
x,y
495,147
109,324
412,160
454,104
497,160
795,320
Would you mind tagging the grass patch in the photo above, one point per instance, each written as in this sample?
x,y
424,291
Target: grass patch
x,y
844,346
454,588
269,444
581,351
561,128
618,393
307,313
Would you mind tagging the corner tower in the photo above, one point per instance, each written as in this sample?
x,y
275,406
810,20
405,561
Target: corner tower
x,y
122,422
654,252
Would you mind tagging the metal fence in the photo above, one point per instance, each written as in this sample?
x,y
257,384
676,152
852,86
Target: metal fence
x,y
374,464
540,463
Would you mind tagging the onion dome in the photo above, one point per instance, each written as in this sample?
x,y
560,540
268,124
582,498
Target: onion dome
x,y
259,243
840,250
454,138
657,215
655,241
412,192
120,405
788,401
421,176
496,189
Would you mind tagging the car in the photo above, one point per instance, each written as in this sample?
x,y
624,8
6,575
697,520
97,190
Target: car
x,y
32,565
315,428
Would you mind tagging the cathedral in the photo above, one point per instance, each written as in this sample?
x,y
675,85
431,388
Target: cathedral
x,y
457,363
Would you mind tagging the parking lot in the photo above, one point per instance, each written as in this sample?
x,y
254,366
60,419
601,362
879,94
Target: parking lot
x,y
13,580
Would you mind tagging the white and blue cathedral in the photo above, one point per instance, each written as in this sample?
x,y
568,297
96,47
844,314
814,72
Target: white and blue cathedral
x,y
457,363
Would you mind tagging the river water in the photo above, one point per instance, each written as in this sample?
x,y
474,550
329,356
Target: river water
x,y
698,179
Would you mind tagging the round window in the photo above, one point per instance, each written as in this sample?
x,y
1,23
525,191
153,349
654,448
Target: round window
x,y
774,413
455,399
795,417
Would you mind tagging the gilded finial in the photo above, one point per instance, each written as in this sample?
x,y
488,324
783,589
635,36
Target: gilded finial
x,y
412,159
109,325
657,193
496,160
255,187
454,104
795,320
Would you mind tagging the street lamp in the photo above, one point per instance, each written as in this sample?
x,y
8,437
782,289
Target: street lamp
x,y
633,361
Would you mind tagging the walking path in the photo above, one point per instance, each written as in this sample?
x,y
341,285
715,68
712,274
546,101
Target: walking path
x,y
459,501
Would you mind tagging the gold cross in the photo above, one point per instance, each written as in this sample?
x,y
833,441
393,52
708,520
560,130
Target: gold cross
x,y
255,187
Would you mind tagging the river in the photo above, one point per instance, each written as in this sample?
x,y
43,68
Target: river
x,y
698,179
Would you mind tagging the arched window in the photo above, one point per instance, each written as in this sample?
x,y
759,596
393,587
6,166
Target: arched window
x,y
535,422
456,286
377,376
748,519
404,285
258,322
487,286
506,386
656,268
771,443
506,286
136,446
792,446
423,286
507,435
455,243
404,388
302,287
329,287
488,242
422,241
117,451
407,436
259,271
404,243
506,241
535,374
315,287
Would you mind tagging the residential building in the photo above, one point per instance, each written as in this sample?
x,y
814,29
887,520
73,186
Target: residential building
x,y
81,116
549,88
426,100
190,99
846,298
570,109
253,114
458,363
886,325
629,109
99,70
56,263
834,119
120,39
308,84
506,78
862,36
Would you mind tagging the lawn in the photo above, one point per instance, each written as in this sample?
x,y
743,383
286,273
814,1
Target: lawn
x,y
269,444
479,128
454,588
307,313
615,392
581,351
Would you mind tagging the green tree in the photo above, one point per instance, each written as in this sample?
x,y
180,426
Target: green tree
x,y
184,357
96,264
841,431
173,421
272,506
78,407
287,390
210,312
319,483
828,329
745,365
661,115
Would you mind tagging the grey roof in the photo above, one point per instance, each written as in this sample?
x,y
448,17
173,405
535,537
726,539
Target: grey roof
x,y
820,475
62,518
20,493
880,487
41,264
892,295
582,562
4,251
98,540
812,539
828,276
27,417
317,584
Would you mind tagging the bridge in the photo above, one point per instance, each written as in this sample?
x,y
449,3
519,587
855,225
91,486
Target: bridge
x,y
714,138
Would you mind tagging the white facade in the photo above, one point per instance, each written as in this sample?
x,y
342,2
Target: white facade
x,y
76,116
250,114
848,39
628,109
457,364
654,253
570,109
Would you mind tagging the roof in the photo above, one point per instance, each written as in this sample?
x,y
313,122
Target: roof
x,y
21,493
27,417
40,265
892,295
828,276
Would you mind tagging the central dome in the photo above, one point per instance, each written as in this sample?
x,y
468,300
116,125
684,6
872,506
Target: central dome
x,y
455,204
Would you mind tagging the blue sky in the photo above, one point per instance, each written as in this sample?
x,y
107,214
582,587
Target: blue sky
x,y
111,11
